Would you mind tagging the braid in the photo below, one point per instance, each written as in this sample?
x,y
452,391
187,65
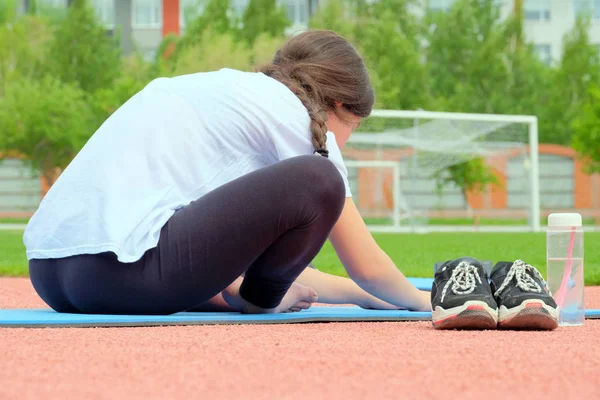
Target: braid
x,y
300,83
318,124
327,74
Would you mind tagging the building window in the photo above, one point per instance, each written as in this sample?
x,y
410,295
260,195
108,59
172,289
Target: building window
x,y
439,5
54,9
587,7
537,10
46,4
297,11
105,11
189,10
237,8
544,53
147,13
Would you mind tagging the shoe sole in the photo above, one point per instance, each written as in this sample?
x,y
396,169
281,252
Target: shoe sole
x,y
471,315
530,315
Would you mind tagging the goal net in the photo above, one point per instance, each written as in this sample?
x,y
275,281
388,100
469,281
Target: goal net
x,y
445,171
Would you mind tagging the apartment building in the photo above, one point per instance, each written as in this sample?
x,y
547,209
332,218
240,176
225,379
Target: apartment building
x,y
143,23
545,21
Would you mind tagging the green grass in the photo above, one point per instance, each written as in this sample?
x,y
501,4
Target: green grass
x,y
416,254
10,220
496,221
471,221
12,254
413,253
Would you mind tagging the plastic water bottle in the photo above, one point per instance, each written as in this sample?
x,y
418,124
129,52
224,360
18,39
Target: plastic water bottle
x,y
564,264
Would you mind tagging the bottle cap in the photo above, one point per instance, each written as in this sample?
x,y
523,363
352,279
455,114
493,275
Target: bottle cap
x,y
564,219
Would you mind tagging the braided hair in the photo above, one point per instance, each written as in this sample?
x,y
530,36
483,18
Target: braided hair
x,y
321,68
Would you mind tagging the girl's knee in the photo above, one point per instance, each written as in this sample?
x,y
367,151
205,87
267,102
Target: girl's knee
x,y
325,180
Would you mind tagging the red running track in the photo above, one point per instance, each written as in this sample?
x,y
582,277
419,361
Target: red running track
x,y
407,360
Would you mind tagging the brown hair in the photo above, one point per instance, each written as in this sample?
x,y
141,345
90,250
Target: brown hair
x,y
322,68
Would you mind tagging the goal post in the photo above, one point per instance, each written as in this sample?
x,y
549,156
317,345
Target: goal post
x,y
398,202
418,145
534,175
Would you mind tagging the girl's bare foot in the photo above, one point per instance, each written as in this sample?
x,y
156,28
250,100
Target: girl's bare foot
x,y
297,298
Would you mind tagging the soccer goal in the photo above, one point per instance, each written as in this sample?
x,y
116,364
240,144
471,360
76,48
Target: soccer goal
x,y
413,170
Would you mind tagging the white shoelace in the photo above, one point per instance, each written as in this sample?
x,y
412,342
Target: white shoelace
x,y
525,282
463,280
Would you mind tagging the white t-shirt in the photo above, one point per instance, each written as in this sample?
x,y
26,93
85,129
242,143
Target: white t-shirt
x,y
170,144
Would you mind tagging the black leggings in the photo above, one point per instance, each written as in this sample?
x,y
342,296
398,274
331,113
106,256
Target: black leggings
x,y
269,224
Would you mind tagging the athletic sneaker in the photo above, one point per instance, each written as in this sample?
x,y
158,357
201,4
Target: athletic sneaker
x,y
523,297
461,297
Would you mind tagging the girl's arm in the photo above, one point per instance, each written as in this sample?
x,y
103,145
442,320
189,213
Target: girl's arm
x,y
369,266
333,289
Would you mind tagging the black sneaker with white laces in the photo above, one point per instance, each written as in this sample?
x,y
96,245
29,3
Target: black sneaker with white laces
x,y
461,297
523,297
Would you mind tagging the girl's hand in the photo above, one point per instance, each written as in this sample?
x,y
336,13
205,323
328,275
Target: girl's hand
x,y
369,266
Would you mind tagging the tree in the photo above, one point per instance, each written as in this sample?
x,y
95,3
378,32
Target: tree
x,y
470,176
586,128
24,49
457,41
477,62
191,10
53,14
578,69
337,16
46,121
263,16
212,52
8,11
215,18
82,52
264,48
134,75
389,42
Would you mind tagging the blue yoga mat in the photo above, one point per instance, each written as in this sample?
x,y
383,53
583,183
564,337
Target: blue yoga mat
x,y
31,318
37,318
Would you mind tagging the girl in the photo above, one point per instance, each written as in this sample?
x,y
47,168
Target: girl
x,y
216,190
